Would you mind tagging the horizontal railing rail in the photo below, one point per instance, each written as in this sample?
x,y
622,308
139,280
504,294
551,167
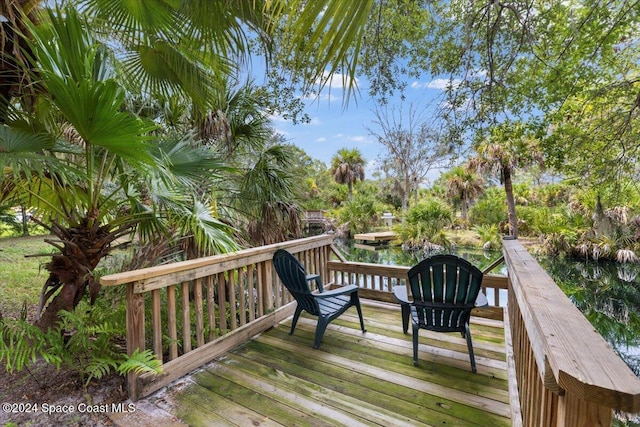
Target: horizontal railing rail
x,y
566,373
376,281
190,312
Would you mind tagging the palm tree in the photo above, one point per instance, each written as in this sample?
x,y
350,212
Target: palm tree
x,y
509,146
464,185
103,179
347,167
97,173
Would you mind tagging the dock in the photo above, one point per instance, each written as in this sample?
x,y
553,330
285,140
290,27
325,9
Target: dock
x,y
378,236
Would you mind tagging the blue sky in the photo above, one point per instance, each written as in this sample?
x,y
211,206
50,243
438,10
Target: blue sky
x,y
333,126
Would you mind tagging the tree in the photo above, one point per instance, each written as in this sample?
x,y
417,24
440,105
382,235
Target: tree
x,y
412,148
105,178
463,185
510,146
109,175
347,167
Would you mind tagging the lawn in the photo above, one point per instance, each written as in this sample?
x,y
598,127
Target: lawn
x,y
21,277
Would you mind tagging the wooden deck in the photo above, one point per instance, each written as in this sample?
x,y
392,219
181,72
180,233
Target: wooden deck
x,y
353,379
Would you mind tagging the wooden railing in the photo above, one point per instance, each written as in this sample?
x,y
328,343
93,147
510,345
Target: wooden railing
x,y
377,281
191,312
566,373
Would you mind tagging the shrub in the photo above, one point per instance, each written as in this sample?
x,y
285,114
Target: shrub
x,y
490,209
360,214
424,224
85,341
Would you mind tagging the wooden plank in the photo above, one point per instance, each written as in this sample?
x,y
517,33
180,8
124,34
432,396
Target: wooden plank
x,y
186,318
405,380
156,321
158,276
405,401
135,334
289,413
514,396
199,406
316,401
597,375
172,322
251,289
211,309
198,297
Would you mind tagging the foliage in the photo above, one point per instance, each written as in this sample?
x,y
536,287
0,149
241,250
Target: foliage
x,y
489,209
424,224
489,236
347,167
360,214
462,188
85,341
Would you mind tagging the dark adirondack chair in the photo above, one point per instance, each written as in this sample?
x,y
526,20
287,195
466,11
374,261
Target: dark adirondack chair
x,y
444,289
327,305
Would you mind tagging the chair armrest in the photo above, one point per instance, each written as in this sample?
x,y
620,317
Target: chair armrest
x,y
400,293
348,289
316,277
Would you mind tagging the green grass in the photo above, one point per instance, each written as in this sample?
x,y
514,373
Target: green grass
x,y
21,278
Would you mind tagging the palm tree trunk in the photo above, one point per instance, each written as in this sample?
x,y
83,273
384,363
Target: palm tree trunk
x,y
464,208
511,203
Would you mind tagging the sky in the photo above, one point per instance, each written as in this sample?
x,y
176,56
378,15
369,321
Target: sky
x,y
334,126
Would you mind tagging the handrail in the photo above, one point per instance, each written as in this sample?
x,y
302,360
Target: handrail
x,y
565,370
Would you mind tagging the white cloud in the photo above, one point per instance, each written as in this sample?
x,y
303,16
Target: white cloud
x,y
321,139
438,84
315,121
277,118
334,81
358,138
282,132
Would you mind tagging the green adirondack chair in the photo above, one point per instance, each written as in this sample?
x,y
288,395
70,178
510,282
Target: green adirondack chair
x,y
327,305
444,289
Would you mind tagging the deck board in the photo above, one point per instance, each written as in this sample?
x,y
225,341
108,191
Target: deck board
x,y
353,379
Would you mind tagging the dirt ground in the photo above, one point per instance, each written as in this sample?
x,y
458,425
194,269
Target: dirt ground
x,y
43,396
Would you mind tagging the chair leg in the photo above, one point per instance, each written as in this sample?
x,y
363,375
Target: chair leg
x,y
406,313
294,322
320,328
470,348
415,344
360,315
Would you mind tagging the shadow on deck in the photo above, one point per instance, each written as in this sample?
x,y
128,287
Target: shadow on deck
x,y
353,379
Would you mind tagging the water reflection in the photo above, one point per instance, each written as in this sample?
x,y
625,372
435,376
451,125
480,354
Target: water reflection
x,y
608,294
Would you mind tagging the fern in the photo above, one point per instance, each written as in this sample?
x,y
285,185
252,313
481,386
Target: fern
x,y
21,343
141,362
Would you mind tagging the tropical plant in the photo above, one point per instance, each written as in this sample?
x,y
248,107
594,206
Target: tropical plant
x,y
103,178
84,341
510,145
463,186
347,167
424,224
489,236
360,214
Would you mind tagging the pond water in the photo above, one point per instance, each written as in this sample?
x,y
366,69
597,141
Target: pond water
x,y
607,293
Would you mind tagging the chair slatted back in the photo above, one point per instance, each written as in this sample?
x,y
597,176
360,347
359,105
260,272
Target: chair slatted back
x,y
444,289
293,275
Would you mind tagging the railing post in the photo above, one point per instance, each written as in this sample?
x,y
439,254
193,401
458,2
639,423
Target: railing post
x,y
267,283
135,333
